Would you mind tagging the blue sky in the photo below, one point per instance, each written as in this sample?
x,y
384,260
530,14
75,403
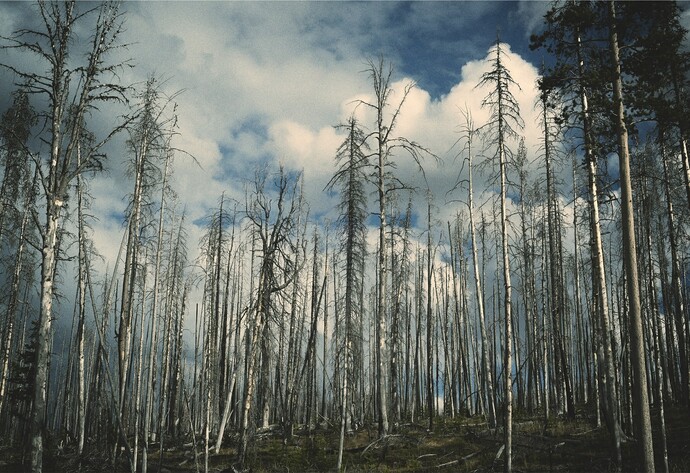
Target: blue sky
x,y
267,82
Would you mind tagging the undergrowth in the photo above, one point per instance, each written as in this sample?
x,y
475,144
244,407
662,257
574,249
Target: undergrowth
x,y
455,445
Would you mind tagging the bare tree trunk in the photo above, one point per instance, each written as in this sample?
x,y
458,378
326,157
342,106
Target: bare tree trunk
x,y
153,329
652,297
642,416
124,334
381,378
81,394
324,407
487,378
13,303
429,323
64,127
607,378
505,115
48,251
344,400
508,350
274,233
139,370
555,269
100,329
676,282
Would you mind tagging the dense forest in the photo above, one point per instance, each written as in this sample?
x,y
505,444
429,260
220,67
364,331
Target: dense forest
x,y
538,302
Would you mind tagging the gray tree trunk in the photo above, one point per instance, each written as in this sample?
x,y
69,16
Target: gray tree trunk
x,y
643,427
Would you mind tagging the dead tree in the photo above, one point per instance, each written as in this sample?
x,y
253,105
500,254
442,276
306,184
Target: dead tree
x,y
505,119
72,93
273,222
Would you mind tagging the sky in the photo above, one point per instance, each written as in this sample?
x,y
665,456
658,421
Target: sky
x,y
266,82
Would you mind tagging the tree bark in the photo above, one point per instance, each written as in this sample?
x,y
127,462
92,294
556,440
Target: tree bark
x,y
643,425
487,377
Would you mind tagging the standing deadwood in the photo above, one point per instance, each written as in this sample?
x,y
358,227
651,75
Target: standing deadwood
x,y
678,303
14,296
124,332
570,28
416,363
176,409
208,389
324,411
498,302
151,372
234,362
487,378
556,282
382,89
217,272
505,117
649,198
457,323
385,142
139,369
310,360
15,129
466,341
149,147
491,341
608,377
293,338
273,222
658,61
546,383
576,282
535,365
527,268
208,365
351,177
309,363
400,273
175,307
101,354
227,331
81,304
396,269
84,88
16,189
643,427
429,322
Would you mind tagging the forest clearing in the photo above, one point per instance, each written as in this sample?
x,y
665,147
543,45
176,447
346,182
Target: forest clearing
x,y
284,253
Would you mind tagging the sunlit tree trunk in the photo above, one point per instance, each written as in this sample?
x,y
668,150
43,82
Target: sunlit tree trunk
x,y
606,379
386,122
62,84
273,223
504,117
556,282
487,377
643,426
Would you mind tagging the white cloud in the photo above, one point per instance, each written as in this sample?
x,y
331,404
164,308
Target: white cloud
x,y
531,14
269,81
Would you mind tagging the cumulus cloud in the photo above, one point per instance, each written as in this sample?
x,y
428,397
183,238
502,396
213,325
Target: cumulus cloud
x,y
267,82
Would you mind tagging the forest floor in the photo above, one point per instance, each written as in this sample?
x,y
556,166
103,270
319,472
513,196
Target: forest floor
x,y
455,445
